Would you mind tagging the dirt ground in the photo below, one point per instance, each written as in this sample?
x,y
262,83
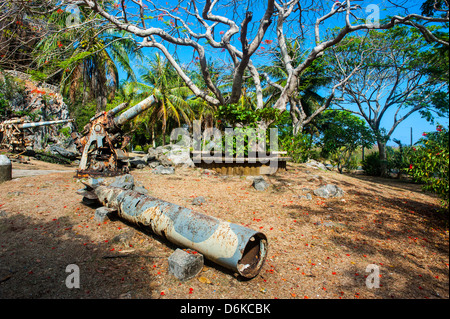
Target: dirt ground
x,y
318,248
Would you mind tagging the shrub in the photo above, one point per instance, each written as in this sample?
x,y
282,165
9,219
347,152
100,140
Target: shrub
x,y
372,164
430,163
299,147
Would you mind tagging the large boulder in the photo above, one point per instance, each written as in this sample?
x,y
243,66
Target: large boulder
x,y
171,155
316,165
329,191
59,150
163,170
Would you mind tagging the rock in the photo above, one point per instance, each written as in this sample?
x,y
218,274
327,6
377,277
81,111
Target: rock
x,y
329,191
185,265
153,154
171,155
180,157
3,213
164,160
260,184
102,213
58,150
315,164
164,170
124,181
137,162
326,224
153,164
198,200
209,172
307,196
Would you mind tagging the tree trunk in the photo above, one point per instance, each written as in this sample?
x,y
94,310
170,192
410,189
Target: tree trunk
x,y
383,158
153,137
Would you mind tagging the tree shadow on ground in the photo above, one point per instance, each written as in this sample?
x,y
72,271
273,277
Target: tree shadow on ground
x,y
34,256
404,235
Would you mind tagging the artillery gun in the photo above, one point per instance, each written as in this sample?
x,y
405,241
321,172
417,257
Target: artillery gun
x,y
102,141
12,132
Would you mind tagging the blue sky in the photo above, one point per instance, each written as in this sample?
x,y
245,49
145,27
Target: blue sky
x,y
402,132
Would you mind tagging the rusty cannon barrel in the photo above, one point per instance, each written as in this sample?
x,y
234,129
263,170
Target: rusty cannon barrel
x,y
135,110
230,245
46,123
118,108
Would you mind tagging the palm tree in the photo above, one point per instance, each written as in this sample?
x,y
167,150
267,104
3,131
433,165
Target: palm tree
x,y
175,104
84,62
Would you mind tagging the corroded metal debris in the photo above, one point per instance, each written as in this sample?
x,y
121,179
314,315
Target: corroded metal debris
x,y
12,132
232,246
102,141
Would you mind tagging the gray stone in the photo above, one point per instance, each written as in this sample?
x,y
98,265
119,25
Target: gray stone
x,y
260,184
153,164
124,181
198,200
185,265
136,161
180,156
58,150
329,191
163,170
326,224
315,164
307,196
153,154
164,160
102,213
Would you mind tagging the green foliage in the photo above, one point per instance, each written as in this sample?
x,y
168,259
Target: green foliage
x,y
372,164
65,131
245,122
342,134
399,159
238,114
430,163
4,106
82,113
299,147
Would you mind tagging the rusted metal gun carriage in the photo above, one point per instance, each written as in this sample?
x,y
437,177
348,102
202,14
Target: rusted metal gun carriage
x,y
13,133
102,141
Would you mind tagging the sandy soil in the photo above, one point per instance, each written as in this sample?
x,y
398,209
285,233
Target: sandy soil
x,y
318,248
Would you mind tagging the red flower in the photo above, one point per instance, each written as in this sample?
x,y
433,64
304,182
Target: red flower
x,y
424,134
410,166
268,41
